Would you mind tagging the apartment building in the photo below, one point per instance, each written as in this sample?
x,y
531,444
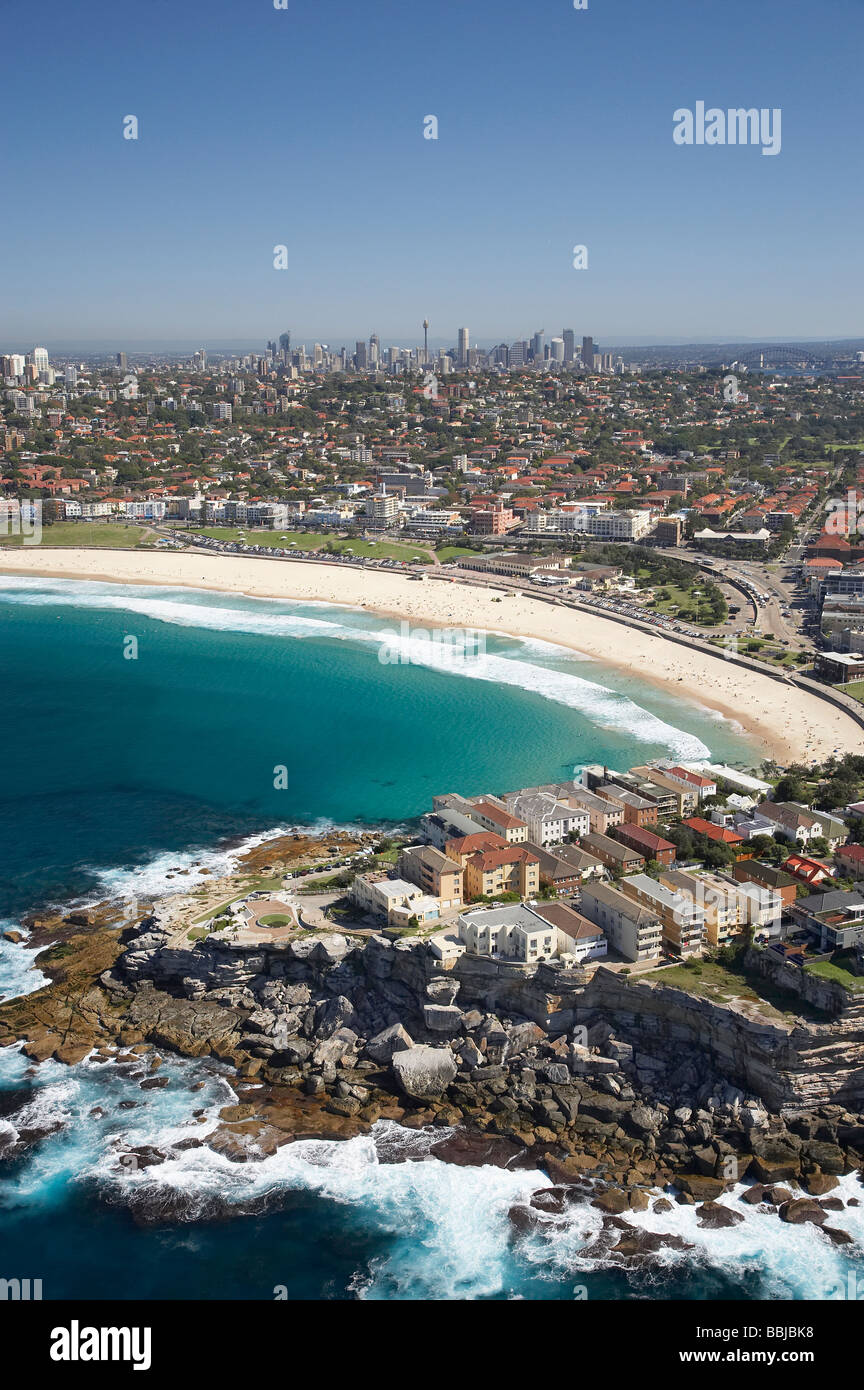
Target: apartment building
x,y
393,900
512,932
493,816
647,843
637,809
434,873
679,800
437,827
766,876
511,870
549,820
721,901
621,526
462,847
681,917
613,854
834,919
703,786
634,931
603,814
577,935
566,868
666,799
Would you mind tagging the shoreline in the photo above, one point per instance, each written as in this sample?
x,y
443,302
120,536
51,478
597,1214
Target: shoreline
x,y
761,706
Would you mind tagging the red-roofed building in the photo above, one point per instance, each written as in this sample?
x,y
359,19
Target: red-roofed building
x,y
499,820
718,833
807,870
850,859
510,870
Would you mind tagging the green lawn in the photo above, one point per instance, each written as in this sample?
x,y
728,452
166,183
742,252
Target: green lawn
x,y
86,533
853,688
277,919
834,969
710,980
456,552
763,650
302,540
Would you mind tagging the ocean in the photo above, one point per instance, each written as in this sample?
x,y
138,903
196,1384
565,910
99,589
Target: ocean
x,y
149,728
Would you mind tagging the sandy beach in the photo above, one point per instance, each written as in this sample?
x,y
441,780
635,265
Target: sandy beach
x,y
789,723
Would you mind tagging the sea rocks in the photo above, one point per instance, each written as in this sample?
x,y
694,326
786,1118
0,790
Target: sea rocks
x,y
641,1245
801,1210
775,1159
700,1186
469,1148
424,1071
714,1216
443,1018
338,1014
818,1184
837,1236
330,1051
390,1040
616,1200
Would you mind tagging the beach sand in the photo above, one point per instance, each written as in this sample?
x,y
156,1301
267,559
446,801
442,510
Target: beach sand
x,y
790,724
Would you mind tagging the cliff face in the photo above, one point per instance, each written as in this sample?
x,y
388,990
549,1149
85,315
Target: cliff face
x,y
631,1080
787,1061
792,1064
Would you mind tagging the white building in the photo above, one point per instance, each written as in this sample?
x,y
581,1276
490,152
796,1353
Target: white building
x,y
508,933
394,899
621,526
549,821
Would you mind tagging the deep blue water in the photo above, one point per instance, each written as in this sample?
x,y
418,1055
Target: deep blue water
x,y
108,761
114,769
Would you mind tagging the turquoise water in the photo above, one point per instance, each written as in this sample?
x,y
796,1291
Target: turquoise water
x,y
111,761
117,771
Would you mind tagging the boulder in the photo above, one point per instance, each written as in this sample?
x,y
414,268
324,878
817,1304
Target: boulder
x,y
424,1071
331,1051
713,1216
837,1236
339,1013
469,1148
443,1018
699,1186
802,1209
820,1183
383,1045
775,1159
251,1139
615,1200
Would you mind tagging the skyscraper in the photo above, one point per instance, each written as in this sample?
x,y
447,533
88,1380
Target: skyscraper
x,y
122,361
569,344
360,355
588,354
374,350
462,351
40,359
285,345
537,345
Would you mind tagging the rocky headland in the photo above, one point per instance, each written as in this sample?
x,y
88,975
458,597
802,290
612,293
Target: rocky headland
x,y
615,1087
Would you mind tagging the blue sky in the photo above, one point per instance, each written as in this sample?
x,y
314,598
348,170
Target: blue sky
x,y
304,127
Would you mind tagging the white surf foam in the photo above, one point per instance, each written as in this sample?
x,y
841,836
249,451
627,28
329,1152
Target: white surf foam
x,y
604,707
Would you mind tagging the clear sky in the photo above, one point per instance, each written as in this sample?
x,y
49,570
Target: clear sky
x,y
304,127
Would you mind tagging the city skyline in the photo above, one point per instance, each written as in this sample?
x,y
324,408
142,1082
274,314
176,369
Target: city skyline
x,y
553,130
